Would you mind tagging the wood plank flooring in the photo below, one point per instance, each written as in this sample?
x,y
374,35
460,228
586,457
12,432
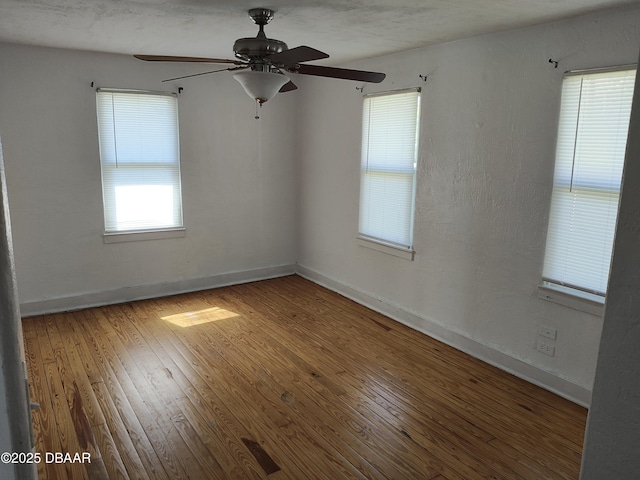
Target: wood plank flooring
x,y
281,379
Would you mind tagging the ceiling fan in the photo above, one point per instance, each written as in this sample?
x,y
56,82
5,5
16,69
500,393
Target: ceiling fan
x,y
267,62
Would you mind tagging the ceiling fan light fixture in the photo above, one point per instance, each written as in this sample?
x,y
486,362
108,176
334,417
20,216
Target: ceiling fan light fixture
x,y
265,59
261,86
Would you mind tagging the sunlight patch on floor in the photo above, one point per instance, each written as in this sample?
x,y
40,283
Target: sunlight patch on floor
x,y
189,319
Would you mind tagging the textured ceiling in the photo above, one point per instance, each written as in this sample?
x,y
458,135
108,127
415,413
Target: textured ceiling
x,y
346,29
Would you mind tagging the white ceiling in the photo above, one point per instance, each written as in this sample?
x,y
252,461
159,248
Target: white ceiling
x,y
346,29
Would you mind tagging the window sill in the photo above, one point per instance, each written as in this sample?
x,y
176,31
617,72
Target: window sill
x,y
386,247
571,298
119,237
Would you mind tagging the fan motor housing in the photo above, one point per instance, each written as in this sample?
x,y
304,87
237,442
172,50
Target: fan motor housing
x,y
255,48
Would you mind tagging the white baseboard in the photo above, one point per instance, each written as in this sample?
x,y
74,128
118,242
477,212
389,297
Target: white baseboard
x,y
140,292
521,369
530,373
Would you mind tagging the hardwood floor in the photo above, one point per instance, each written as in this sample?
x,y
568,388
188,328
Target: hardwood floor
x,y
281,379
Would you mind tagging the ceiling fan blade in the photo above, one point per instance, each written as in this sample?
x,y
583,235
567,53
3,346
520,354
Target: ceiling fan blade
x,y
207,73
297,55
289,86
344,73
169,58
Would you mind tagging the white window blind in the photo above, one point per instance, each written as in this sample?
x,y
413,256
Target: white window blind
x,y
140,159
590,152
388,167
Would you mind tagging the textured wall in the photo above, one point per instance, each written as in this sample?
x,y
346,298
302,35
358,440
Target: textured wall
x,y
7,322
237,176
613,427
490,108
489,117
15,420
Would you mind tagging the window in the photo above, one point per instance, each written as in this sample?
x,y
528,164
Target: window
x,y
388,168
140,160
590,151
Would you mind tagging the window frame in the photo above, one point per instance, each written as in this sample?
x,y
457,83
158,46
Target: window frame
x,y
365,239
580,297
171,169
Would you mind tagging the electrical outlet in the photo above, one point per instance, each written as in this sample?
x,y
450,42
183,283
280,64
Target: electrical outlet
x,y
548,332
545,348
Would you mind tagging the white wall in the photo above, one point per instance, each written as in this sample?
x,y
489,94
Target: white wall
x,y
7,294
5,439
238,180
15,425
490,110
613,427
